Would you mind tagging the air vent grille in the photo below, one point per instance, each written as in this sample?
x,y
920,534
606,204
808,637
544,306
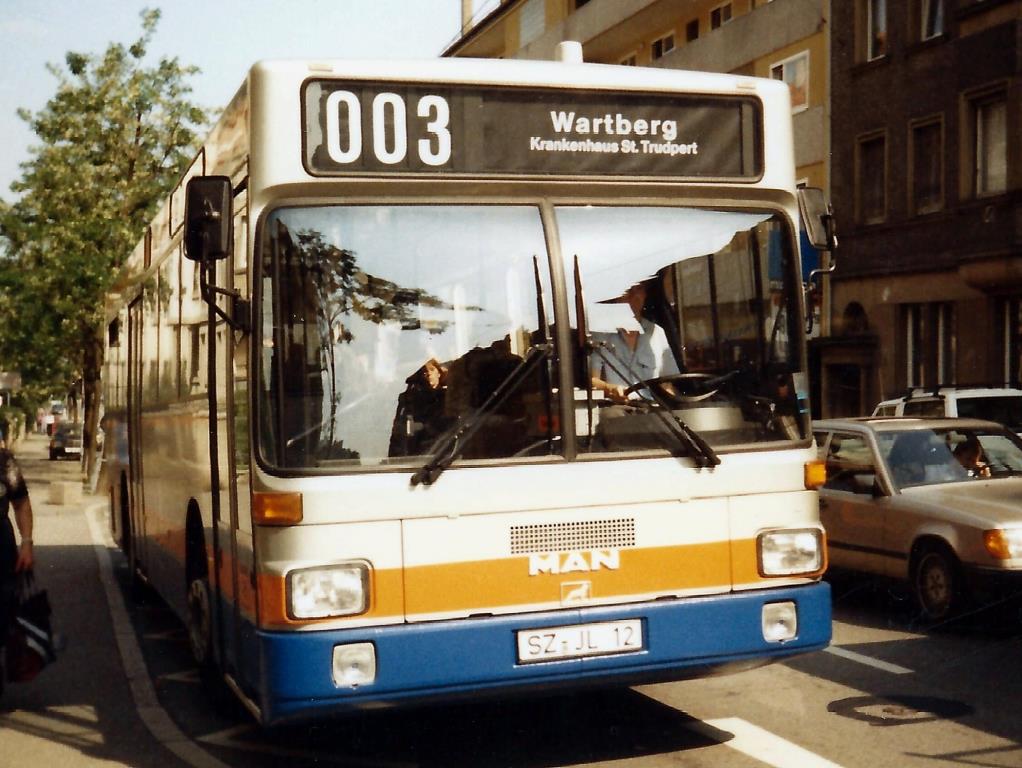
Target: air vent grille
x,y
564,537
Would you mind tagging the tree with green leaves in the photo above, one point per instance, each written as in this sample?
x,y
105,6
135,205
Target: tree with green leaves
x,y
113,140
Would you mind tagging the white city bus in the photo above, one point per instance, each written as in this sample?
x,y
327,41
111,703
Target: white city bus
x,y
448,378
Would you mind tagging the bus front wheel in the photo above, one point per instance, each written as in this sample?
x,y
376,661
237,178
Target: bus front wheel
x,y
200,622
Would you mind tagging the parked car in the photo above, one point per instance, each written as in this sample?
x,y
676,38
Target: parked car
x,y
903,500
1000,404
66,441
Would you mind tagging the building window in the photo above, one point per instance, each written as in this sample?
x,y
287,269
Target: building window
x,y
720,16
871,179
946,341
926,174
630,60
915,371
662,46
931,18
1012,309
580,3
990,144
692,31
795,72
930,344
532,21
876,29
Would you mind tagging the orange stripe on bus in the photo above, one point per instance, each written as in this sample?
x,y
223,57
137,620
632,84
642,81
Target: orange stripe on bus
x,y
500,583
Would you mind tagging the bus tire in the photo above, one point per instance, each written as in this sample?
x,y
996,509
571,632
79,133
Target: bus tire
x,y
199,595
200,623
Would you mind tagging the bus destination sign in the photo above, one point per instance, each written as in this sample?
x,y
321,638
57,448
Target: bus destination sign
x,y
393,128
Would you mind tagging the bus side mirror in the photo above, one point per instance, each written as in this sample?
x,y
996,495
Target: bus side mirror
x,y
209,218
818,217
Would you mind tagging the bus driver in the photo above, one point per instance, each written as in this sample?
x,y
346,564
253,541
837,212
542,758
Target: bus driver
x,y
643,354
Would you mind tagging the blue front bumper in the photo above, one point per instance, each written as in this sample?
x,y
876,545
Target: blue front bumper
x,y
683,638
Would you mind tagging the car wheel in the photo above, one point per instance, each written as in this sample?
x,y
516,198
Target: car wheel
x,y
936,583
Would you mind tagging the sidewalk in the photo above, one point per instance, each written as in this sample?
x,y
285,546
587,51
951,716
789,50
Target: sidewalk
x,y
80,711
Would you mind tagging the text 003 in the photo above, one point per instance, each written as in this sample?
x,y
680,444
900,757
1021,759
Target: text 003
x,y
604,639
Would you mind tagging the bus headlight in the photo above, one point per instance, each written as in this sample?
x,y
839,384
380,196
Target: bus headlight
x,y
790,552
329,590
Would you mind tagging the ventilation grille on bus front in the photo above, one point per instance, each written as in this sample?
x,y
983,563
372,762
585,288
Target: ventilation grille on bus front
x,y
564,537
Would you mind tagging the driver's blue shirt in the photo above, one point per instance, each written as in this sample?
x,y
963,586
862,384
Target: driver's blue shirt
x,y
650,359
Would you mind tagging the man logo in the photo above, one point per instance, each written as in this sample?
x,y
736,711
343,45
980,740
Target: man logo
x,y
574,562
576,592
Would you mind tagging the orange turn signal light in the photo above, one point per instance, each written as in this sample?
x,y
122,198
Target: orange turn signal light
x,y
815,474
276,508
997,545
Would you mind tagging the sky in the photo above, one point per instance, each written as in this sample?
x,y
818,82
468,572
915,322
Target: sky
x,y
222,37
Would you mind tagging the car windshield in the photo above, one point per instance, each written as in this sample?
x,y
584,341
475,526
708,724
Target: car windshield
x,y
919,457
416,335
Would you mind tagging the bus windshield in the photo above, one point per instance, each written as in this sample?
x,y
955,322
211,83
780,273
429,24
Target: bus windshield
x,y
387,328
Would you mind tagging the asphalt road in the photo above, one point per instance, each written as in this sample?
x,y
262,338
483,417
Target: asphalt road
x,y
889,692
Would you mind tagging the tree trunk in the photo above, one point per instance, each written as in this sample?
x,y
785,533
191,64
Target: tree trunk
x,y
92,375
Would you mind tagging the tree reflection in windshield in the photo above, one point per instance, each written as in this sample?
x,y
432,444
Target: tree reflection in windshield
x,y
382,328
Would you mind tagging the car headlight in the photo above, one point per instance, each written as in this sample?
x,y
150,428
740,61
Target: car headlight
x,y
790,552
328,590
1004,544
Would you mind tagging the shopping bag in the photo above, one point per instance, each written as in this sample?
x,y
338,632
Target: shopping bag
x,y
30,644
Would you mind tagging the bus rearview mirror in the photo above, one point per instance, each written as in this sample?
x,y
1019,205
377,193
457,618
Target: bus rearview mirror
x,y
209,219
818,217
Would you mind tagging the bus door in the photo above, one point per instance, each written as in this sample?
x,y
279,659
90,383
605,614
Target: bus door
x,y
242,540
136,533
225,581
236,527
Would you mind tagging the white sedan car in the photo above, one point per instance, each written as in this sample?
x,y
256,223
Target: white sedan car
x,y
935,502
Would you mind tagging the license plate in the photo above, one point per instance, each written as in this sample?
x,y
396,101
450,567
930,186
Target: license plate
x,y
575,642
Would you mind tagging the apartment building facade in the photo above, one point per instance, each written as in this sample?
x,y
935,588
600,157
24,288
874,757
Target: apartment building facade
x,y
926,178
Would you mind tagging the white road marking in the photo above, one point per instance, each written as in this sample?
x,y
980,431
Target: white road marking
x,y
884,666
765,746
154,716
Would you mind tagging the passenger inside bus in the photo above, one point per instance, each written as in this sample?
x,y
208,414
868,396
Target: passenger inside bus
x,y
440,397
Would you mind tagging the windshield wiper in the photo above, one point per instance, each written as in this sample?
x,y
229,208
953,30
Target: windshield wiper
x,y
449,447
696,447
